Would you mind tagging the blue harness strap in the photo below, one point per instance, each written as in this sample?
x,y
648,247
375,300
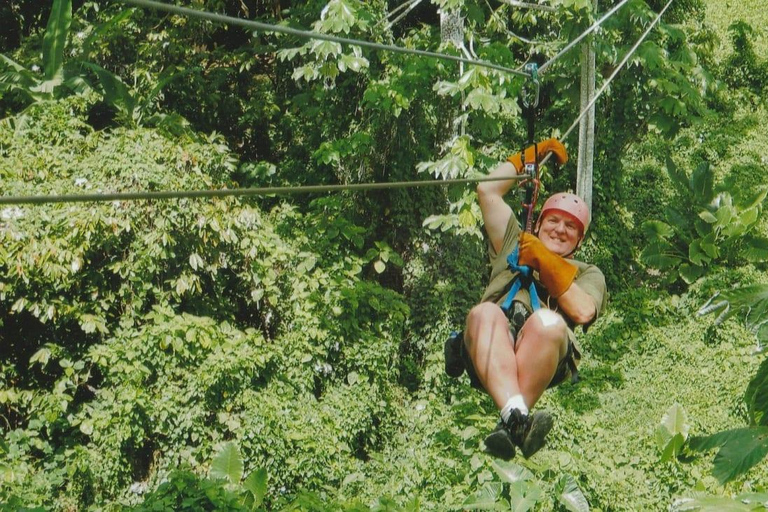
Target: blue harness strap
x,y
524,276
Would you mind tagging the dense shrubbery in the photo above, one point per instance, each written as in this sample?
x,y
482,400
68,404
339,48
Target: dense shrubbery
x,y
140,335
142,342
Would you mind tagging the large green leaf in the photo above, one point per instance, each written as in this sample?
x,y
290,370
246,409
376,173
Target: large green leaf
x,y
697,254
740,450
55,38
511,472
678,177
661,254
570,495
672,432
757,198
487,498
750,300
11,63
690,273
703,503
523,496
115,91
256,484
755,249
680,222
228,464
702,183
19,78
654,229
756,396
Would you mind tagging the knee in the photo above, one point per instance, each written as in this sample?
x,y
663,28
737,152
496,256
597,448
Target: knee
x,y
486,315
549,325
483,313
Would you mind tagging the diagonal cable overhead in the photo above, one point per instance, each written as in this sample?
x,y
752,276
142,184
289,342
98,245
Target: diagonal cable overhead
x,y
262,191
306,34
584,34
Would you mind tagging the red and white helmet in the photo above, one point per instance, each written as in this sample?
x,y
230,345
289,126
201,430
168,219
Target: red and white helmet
x,y
570,204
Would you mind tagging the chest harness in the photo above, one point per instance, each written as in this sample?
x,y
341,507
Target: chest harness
x,y
524,275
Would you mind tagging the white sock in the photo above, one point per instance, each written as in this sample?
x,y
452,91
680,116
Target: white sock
x,y
515,402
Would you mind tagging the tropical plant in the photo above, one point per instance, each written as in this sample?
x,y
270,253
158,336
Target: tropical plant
x,y
741,449
672,433
703,224
519,492
58,79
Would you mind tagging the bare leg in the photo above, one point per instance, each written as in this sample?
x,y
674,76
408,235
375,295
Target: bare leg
x,y
492,351
541,344
505,368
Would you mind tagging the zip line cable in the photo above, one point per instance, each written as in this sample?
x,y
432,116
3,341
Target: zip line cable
x,y
573,43
611,77
255,191
616,71
395,11
266,27
413,5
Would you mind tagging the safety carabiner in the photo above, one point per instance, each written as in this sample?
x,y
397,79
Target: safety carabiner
x,y
532,86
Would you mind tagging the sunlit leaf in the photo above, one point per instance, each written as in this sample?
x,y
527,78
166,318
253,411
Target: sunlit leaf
x,y
756,396
55,38
487,498
524,495
740,450
672,432
511,472
228,464
256,484
709,504
570,495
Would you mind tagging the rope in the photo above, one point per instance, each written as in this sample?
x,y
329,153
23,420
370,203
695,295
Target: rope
x,y
582,36
413,5
266,27
615,71
255,191
395,11
608,81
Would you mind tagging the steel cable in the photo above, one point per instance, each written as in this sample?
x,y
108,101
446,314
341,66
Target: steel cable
x,y
254,191
266,27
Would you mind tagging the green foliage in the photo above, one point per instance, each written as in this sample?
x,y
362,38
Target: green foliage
x,y
159,330
739,450
750,301
19,79
702,503
517,490
744,68
743,448
703,226
672,433
140,338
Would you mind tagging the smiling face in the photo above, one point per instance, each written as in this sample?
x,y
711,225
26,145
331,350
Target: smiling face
x,y
560,232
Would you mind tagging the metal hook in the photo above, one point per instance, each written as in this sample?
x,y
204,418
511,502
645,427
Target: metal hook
x,y
533,78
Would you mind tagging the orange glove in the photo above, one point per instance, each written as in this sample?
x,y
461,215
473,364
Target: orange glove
x,y
544,147
555,272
